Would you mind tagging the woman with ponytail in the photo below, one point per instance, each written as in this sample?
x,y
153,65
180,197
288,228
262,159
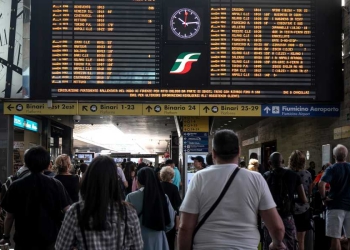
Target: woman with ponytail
x,y
154,209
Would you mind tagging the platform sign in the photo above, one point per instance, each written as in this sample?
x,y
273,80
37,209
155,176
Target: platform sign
x,y
171,109
110,109
300,110
230,110
195,124
36,108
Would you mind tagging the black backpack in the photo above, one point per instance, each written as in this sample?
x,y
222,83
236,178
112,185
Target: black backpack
x,y
280,193
9,180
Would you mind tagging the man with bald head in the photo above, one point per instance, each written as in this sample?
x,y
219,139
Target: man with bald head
x,y
338,199
283,184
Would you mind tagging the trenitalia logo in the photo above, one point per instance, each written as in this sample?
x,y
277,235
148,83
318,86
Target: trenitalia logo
x,y
184,62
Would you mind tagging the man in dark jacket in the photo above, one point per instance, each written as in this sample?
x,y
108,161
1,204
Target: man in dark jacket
x,y
36,202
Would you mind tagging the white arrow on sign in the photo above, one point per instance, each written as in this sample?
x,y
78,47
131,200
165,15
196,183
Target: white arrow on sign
x,y
267,110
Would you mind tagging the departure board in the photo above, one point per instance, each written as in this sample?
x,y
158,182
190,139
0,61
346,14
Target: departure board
x,y
259,42
96,42
187,50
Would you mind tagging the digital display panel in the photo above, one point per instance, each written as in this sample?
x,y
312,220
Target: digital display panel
x,y
209,50
270,42
96,42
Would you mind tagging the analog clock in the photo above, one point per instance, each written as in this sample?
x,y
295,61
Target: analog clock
x,y
185,23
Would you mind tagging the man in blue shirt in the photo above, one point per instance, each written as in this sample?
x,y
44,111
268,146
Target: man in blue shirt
x,y
338,199
177,176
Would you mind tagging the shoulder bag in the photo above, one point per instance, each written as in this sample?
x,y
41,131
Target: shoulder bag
x,y
211,210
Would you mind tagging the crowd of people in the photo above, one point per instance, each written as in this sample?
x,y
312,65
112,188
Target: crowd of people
x,y
228,205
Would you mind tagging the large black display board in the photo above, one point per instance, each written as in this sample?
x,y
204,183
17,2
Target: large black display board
x,y
195,50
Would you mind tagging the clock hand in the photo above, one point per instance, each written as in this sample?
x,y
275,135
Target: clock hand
x,y
183,22
192,23
186,13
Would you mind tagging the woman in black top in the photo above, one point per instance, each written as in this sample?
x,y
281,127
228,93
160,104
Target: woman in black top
x,y
69,181
166,175
129,172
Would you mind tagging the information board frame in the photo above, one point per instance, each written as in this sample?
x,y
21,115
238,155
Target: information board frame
x,y
324,90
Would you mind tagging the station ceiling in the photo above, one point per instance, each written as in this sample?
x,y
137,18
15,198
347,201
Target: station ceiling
x,y
140,134
134,134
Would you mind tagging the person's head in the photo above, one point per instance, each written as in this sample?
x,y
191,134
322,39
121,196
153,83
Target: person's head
x,y
297,160
81,161
170,163
275,160
83,167
155,207
63,163
253,156
242,164
340,153
37,159
140,166
225,147
130,167
150,164
99,190
167,174
198,162
253,165
312,165
325,166
209,159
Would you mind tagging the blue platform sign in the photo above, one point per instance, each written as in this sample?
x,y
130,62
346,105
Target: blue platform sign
x,y
196,142
300,110
21,122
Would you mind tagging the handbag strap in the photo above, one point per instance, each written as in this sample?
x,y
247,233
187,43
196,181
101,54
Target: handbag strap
x,y
81,227
211,210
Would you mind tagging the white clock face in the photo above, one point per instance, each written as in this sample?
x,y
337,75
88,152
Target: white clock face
x,y
185,23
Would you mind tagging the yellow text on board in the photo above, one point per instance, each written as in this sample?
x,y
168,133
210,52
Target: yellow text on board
x,y
25,108
110,109
171,109
195,124
230,110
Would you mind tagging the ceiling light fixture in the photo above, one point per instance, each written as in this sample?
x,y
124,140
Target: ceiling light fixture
x,y
234,118
229,121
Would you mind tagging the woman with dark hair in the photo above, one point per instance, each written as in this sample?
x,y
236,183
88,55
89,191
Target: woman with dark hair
x,y
69,181
154,209
302,213
129,172
101,220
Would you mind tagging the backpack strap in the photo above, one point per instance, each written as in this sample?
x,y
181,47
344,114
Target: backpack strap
x,y
81,227
211,210
23,173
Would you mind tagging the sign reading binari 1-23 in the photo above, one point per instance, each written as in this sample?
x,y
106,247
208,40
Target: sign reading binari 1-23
x,y
222,50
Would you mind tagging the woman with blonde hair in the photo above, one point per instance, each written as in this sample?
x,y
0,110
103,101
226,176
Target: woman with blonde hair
x,y
69,181
253,165
302,213
166,176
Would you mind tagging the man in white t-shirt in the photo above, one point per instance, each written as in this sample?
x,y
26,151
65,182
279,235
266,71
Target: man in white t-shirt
x,y
233,224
